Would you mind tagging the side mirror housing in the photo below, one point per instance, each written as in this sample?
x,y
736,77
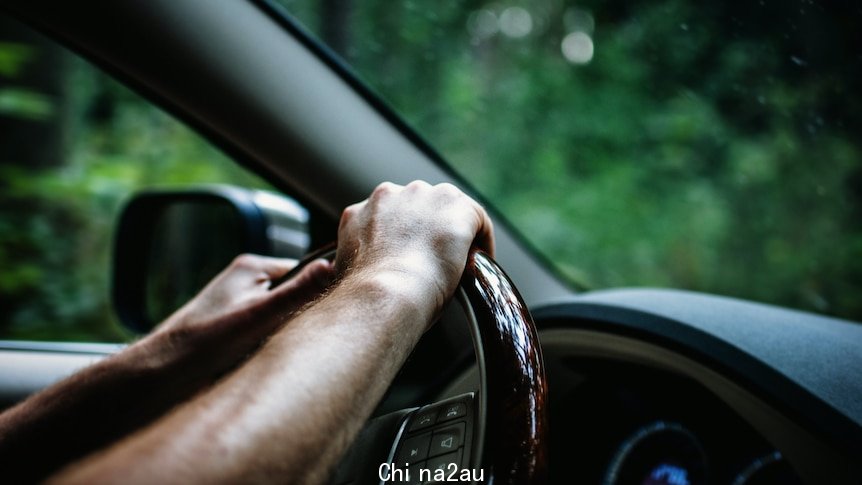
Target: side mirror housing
x,y
169,244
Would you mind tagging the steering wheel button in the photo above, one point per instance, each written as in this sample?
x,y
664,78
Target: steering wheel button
x,y
442,463
452,411
447,439
424,419
413,450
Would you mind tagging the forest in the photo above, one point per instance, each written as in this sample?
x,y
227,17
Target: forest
x,y
707,146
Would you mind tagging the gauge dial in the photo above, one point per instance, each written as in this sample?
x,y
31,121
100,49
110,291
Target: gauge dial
x,y
659,453
770,468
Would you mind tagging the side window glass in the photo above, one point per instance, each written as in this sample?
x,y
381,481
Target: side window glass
x,y
74,144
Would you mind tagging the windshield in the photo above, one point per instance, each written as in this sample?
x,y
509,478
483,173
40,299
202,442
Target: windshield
x,y
710,146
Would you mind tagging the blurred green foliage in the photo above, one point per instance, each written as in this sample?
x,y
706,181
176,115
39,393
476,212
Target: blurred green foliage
x,y
711,146
57,215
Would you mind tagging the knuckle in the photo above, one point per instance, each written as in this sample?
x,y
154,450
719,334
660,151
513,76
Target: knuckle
x,y
454,195
417,184
245,261
347,214
448,188
383,189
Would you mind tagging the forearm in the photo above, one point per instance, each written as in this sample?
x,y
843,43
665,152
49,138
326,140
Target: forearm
x,y
291,410
91,409
198,344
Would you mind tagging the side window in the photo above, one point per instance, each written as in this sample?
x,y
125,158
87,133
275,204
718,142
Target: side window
x,y
74,144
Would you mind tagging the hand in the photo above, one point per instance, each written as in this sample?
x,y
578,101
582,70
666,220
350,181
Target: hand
x,y
246,283
237,309
418,235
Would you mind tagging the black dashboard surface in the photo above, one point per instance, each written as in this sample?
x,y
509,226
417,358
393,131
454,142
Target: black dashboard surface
x,y
622,423
803,368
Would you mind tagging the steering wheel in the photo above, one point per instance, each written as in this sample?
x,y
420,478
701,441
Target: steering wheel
x,y
501,431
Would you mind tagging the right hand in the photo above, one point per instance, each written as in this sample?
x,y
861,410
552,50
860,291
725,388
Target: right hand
x,y
418,234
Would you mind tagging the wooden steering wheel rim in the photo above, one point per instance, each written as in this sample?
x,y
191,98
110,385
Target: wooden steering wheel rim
x,y
514,389
511,445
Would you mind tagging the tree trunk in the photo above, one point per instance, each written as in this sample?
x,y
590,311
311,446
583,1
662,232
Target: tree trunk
x,y
335,25
31,138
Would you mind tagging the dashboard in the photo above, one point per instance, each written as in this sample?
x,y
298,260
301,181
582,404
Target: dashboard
x,y
669,387
663,386
618,423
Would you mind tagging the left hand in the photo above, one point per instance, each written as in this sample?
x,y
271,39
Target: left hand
x,y
237,310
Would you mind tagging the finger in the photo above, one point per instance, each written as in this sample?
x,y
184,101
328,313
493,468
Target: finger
x,y
311,280
317,274
352,217
485,232
274,268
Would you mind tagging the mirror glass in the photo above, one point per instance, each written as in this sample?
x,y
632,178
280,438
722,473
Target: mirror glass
x,y
192,241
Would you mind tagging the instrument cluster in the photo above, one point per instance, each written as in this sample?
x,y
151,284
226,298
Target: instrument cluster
x,y
624,424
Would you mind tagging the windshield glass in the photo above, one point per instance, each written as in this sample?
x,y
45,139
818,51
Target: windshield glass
x,y
711,146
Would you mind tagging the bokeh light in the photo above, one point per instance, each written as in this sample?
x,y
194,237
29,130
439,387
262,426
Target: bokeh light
x,y
482,25
577,48
516,22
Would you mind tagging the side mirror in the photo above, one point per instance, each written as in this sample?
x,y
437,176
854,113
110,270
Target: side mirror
x,y
169,244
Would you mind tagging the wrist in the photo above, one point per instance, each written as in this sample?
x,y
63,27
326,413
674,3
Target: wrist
x,y
409,283
157,351
192,338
